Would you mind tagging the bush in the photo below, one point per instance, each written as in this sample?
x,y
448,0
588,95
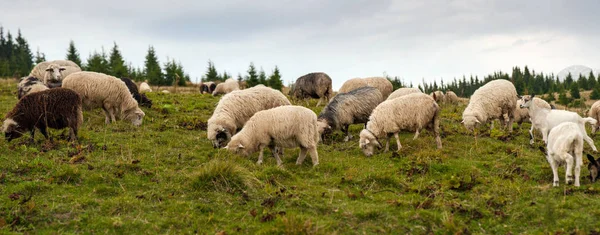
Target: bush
x,y
224,176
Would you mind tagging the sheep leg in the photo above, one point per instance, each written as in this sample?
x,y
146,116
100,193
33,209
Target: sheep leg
x,y
314,155
578,164
568,168
545,135
397,141
436,132
348,135
554,170
112,114
260,155
319,103
510,123
275,151
531,137
301,156
387,145
44,131
32,132
416,134
106,116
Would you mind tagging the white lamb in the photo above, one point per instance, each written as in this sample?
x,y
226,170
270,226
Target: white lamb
x,y
144,87
411,112
108,92
491,101
546,119
595,113
285,126
565,144
234,110
226,87
403,91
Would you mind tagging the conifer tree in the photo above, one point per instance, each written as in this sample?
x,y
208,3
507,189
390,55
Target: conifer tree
x,y
211,73
591,81
262,77
39,57
252,77
73,54
116,64
275,81
97,62
152,71
575,91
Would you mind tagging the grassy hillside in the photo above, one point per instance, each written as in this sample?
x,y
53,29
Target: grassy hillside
x,y
165,177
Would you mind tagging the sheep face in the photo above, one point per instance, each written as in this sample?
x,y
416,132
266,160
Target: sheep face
x,y
136,116
368,142
470,122
221,137
12,130
324,129
237,146
54,74
594,168
526,101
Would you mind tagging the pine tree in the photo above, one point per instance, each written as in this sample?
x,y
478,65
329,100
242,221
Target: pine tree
x,y
97,62
239,77
211,73
575,91
252,77
72,54
116,64
582,82
563,99
275,81
225,76
152,72
4,67
23,56
39,57
171,72
262,77
591,81
569,80
595,93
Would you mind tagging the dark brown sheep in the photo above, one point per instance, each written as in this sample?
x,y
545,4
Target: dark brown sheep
x,y
56,108
207,87
133,89
312,85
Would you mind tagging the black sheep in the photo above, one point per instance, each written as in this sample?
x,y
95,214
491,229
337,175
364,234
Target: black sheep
x,y
313,85
133,89
56,108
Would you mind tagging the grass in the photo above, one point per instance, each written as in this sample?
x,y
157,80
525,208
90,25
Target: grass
x,y
165,177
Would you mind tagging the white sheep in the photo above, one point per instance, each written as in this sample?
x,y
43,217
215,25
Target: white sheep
x,y
565,144
107,92
348,108
594,112
450,97
545,120
411,112
522,114
225,87
489,102
285,126
383,84
235,108
29,85
403,91
144,87
52,72
438,96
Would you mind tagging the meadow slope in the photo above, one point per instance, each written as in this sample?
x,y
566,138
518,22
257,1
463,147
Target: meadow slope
x,y
165,177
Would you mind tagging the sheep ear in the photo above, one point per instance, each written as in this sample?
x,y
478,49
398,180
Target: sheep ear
x,y
367,141
49,69
477,121
591,158
532,95
62,69
241,146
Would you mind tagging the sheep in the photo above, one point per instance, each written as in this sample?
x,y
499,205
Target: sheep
x,y
280,127
348,108
55,108
313,85
207,87
383,84
165,91
228,86
108,92
402,92
142,99
450,97
30,85
522,114
235,108
565,144
594,168
546,119
438,96
489,102
144,87
411,112
52,72
594,112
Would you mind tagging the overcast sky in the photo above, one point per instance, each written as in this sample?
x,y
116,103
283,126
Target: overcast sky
x,y
415,40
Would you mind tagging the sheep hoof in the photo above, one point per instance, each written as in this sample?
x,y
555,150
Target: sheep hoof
x,y
259,162
555,184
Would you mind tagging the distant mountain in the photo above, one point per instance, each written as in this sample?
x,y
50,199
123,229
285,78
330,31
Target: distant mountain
x,y
575,70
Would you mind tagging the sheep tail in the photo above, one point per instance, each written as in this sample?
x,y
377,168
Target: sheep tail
x,y
589,120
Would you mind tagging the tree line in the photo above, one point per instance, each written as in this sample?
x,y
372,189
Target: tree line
x,y
252,76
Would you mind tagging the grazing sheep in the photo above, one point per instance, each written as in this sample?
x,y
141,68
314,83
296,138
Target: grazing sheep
x,y
546,119
565,144
384,85
108,92
438,96
402,92
313,85
144,87
489,102
348,108
594,168
234,110
207,87
140,98
281,127
52,72
225,87
54,108
411,112
595,114
451,97
30,85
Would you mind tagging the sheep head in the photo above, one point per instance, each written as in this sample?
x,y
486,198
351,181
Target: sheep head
x,y
470,122
136,116
324,128
368,142
594,168
219,135
53,75
526,101
237,145
12,129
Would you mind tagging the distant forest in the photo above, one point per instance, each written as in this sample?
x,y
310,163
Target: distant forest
x,y
17,60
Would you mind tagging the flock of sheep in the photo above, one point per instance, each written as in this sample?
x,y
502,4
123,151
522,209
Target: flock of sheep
x,y
246,121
